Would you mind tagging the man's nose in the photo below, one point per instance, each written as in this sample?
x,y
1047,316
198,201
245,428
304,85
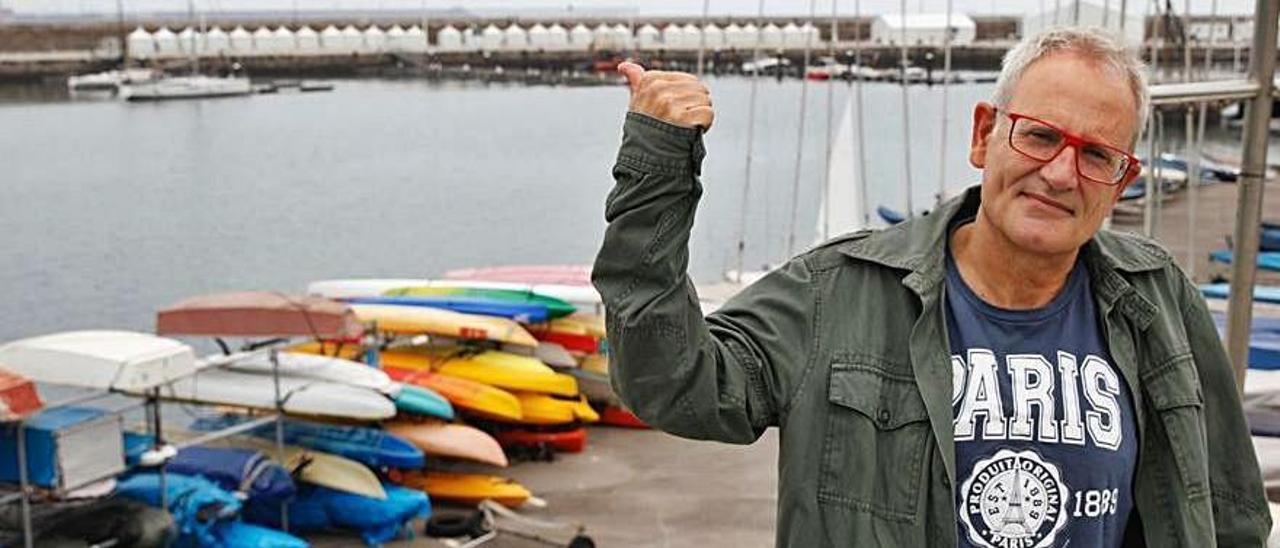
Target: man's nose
x,y
1060,172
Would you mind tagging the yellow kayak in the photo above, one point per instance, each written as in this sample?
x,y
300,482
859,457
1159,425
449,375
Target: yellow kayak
x,y
542,409
595,363
465,394
417,320
500,369
468,489
581,322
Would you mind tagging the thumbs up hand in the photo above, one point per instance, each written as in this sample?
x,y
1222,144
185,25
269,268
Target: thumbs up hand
x,y
673,97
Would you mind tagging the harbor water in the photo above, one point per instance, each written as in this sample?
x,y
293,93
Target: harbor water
x,y
111,210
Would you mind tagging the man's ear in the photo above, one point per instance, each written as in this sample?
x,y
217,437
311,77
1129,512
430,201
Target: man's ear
x,y
984,125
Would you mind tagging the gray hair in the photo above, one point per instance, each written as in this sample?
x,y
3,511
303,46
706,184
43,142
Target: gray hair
x,y
1094,44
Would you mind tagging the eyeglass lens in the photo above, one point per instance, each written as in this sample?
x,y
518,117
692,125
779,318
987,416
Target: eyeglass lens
x,y
1043,142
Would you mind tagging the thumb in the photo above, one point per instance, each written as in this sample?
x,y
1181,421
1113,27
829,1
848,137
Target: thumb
x,y
632,72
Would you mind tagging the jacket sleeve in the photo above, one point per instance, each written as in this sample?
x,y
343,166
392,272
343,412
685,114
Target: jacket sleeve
x,y
724,377
1240,512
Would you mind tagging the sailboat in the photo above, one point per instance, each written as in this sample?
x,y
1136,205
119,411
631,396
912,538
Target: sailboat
x,y
194,86
841,210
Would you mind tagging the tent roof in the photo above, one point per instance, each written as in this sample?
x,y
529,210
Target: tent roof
x,y
926,20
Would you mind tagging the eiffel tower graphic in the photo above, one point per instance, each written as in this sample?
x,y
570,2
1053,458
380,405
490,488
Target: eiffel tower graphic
x,y
1013,522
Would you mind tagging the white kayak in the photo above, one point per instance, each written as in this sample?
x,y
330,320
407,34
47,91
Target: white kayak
x,y
125,361
324,368
302,396
582,296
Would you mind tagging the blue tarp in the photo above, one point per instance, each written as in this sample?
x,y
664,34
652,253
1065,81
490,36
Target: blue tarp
x,y
320,508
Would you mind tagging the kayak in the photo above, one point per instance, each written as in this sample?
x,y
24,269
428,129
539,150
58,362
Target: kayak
x,y
548,410
562,441
301,396
258,314
889,215
467,395
616,415
238,470
205,514
372,447
418,400
318,467
573,340
457,441
572,275
595,386
521,312
556,308
467,489
580,293
418,320
1262,294
499,369
102,360
1267,260
311,366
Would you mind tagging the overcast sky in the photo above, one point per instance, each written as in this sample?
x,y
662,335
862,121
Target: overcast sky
x,y
640,7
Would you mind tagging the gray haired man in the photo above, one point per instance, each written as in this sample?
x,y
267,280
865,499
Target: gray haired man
x,y
1000,373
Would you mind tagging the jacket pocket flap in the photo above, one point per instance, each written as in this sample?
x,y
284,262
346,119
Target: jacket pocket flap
x,y
1176,384
889,400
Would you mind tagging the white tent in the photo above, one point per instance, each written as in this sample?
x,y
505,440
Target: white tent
x,y
580,36
216,42
622,36
286,40
395,38
141,45
648,37
1091,13
491,38
715,36
471,40
331,39
449,38
922,28
557,36
515,38
352,39
308,40
693,35
166,42
673,37
538,36
415,39
375,39
604,38
737,37
812,34
241,40
189,41
771,36
264,41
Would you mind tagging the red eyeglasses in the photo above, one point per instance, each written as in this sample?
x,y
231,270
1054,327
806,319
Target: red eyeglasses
x,y
1042,142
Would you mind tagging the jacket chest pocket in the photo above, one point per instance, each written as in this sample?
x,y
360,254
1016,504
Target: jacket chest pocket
x,y
874,452
1174,392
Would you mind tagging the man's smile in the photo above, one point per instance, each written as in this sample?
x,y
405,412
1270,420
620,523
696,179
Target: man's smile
x,y
1050,203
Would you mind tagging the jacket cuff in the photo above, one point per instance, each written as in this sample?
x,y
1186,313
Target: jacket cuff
x,y
653,146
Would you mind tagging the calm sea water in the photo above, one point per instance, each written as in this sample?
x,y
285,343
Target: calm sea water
x,y
110,210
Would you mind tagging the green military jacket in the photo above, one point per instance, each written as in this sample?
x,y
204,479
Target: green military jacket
x,y
845,350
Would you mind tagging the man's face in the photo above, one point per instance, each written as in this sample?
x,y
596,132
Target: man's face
x,y
1047,207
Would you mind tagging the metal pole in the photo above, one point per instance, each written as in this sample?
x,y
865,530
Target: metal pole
x,y
1148,204
751,128
946,115
275,377
831,90
862,151
124,34
702,36
1262,66
906,109
804,103
1194,190
28,534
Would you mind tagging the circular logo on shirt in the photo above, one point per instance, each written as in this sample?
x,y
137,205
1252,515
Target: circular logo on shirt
x,y
1013,499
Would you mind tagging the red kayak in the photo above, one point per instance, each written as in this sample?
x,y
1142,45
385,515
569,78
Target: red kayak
x,y
563,441
613,415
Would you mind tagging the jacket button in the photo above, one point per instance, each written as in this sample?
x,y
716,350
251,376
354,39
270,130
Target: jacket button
x,y
946,482
883,416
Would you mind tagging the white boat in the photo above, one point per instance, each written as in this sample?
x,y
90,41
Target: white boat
x,y
301,395
186,87
105,360
110,79
322,368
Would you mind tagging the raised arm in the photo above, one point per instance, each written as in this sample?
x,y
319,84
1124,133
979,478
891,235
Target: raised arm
x,y
726,377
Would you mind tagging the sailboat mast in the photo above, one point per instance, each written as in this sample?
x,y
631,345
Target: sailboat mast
x,y
123,34
946,114
751,127
191,19
906,105
804,103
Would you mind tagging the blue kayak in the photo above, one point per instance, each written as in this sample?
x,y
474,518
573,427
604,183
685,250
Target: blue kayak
x,y
206,515
318,508
369,446
522,312
245,470
1264,341
890,216
1261,294
1267,260
417,400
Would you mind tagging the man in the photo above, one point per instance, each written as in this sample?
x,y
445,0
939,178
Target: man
x,y
999,373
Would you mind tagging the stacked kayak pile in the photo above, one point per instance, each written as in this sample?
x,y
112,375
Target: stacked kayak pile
x,y
353,407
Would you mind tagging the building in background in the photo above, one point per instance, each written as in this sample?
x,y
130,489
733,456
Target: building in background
x,y
923,29
1091,13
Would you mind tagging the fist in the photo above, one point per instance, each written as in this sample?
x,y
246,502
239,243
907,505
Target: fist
x,y
673,97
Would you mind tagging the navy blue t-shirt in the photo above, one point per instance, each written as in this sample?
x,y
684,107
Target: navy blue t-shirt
x,y
1046,442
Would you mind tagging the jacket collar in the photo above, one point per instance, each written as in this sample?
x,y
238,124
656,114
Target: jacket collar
x,y
919,247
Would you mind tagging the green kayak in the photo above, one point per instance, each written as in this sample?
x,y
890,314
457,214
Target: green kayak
x,y
556,308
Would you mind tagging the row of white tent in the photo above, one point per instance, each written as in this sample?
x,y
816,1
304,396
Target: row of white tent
x,y
332,40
